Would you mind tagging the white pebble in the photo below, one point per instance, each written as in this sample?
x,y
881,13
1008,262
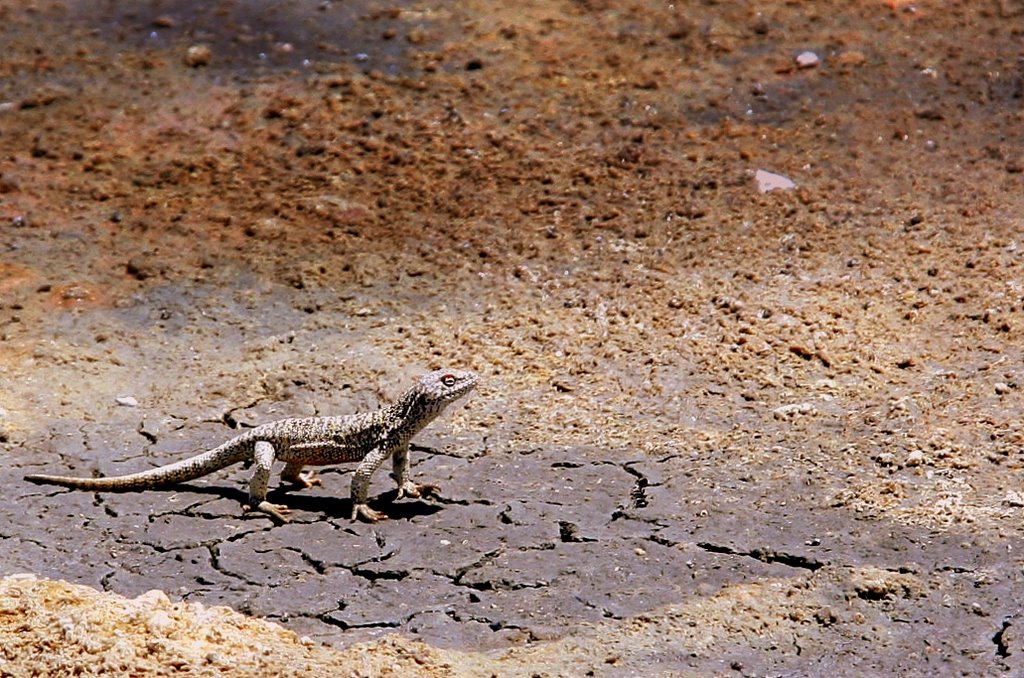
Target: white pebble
x,y
787,411
768,181
807,60
126,401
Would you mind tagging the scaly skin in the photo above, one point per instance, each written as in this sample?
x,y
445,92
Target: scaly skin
x,y
369,438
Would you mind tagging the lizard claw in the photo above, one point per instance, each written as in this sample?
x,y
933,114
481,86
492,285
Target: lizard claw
x,y
304,480
417,490
276,511
366,513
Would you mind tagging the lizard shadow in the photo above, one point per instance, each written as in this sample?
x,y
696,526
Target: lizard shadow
x,y
323,504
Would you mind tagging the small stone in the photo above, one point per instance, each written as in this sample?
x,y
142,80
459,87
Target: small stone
x,y
807,60
142,267
1014,499
825,616
886,458
159,622
792,410
1002,388
154,599
74,293
563,384
851,58
769,181
198,55
915,458
126,401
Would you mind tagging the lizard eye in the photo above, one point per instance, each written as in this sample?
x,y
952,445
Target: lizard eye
x,y
448,380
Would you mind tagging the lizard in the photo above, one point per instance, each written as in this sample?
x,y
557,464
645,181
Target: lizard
x,y
369,438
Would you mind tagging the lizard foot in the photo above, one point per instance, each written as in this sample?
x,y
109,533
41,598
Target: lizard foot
x,y
367,513
303,480
416,490
276,511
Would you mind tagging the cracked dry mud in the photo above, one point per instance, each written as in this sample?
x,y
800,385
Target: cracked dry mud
x,y
719,431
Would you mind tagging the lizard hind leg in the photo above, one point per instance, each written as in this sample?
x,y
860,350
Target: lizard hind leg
x,y
293,474
361,485
263,461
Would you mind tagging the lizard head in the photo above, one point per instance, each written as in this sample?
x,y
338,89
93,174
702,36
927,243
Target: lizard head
x,y
443,387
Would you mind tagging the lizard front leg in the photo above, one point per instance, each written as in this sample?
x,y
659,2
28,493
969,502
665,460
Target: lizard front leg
x,y
406,487
263,461
361,484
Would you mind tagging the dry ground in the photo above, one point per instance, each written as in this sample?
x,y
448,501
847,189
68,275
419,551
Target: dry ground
x,y
720,431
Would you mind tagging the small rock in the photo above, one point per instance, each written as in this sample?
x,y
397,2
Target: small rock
x,y
851,58
142,267
789,411
807,60
825,616
74,293
159,622
768,181
154,599
915,458
198,55
126,401
1002,388
1014,499
563,384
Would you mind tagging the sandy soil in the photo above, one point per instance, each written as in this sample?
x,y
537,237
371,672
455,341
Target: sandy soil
x,y
720,431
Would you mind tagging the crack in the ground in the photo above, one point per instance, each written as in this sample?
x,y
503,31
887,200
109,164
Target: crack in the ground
x,y
492,624
26,540
568,533
638,495
622,513
605,612
375,575
766,555
147,434
318,565
566,464
434,452
326,618
663,541
461,572
214,552
228,416
181,511
955,569
105,580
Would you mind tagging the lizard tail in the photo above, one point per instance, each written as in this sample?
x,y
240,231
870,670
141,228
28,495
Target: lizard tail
x,y
179,472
